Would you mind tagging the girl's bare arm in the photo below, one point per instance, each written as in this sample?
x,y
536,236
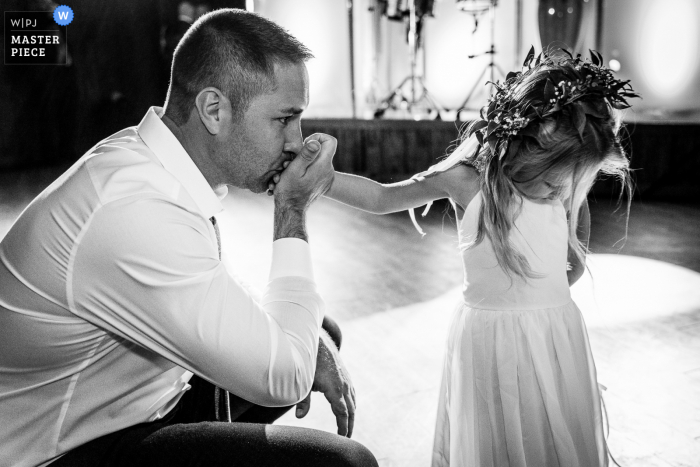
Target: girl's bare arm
x,y
583,233
459,183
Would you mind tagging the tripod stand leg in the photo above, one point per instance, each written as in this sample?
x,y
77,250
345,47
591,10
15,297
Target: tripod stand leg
x,y
431,100
385,103
398,90
471,92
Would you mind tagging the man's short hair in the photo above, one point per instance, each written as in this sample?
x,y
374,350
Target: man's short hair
x,y
234,51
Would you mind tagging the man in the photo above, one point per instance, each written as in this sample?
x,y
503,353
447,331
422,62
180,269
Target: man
x,y
113,293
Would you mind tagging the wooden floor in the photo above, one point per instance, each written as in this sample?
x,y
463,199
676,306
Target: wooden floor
x,y
393,293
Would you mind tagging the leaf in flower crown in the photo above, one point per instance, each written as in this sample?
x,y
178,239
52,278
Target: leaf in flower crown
x,y
594,58
548,92
480,138
491,128
478,126
510,75
492,141
600,58
620,105
617,86
530,56
567,53
473,130
579,118
492,107
590,110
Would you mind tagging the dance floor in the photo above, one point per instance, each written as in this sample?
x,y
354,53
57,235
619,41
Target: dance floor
x,y
393,293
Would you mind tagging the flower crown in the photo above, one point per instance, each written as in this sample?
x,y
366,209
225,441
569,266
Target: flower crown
x,y
504,121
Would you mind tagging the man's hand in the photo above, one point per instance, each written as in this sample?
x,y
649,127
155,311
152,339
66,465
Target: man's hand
x,y
309,152
333,380
309,175
304,179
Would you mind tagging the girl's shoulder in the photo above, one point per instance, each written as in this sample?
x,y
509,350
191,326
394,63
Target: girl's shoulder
x,y
462,183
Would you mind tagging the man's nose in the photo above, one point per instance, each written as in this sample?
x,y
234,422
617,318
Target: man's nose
x,y
294,141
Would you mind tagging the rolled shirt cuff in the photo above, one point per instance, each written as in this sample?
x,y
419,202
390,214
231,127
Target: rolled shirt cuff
x,y
291,257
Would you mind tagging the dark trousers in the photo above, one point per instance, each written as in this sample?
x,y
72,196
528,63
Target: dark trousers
x,y
186,438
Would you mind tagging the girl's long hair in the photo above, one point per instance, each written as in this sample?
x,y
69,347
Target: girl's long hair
x,y
558,155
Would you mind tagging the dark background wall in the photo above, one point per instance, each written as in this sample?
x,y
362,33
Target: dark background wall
x,y
119,55
665,156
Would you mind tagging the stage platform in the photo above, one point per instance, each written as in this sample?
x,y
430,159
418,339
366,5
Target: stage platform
x,y
665,151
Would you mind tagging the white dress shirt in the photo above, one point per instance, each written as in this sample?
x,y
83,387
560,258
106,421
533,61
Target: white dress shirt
x,y
112,293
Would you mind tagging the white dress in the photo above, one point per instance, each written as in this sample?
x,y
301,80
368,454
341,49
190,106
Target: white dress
x,y
519,383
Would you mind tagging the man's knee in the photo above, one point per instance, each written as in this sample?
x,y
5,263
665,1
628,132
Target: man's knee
x,y
357,455
333,330
346,453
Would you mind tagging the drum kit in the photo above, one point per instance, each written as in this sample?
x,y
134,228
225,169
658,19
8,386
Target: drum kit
x,y
411,94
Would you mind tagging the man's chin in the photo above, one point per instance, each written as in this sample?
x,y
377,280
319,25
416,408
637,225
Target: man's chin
x,y
259,189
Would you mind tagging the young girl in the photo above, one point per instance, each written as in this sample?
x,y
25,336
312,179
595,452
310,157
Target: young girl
x,y
519,385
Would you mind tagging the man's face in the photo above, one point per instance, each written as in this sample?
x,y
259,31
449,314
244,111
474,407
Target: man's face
x,y
269,132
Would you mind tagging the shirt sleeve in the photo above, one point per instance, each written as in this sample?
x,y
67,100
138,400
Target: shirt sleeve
x,y
148,270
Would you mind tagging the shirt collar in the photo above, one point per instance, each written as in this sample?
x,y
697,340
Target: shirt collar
x,y
175,160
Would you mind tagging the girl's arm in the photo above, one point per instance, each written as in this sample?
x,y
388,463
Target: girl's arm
x,y
583,232
459,183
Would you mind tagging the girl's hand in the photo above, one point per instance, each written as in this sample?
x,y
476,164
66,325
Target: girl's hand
x,y
275,180
324,140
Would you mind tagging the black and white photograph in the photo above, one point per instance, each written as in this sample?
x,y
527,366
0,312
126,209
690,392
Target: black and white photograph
x,y
350,233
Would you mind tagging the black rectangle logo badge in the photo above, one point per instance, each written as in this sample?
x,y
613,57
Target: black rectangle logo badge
x,y
34,38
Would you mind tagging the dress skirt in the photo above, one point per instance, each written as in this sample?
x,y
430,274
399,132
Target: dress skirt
x,y
519,389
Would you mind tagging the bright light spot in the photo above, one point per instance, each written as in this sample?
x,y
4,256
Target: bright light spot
x,y
448,115
551,11
628,288
667,50
614,65
329,93
250,5
570,10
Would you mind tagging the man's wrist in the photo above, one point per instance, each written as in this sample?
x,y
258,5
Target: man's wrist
x,y
289,223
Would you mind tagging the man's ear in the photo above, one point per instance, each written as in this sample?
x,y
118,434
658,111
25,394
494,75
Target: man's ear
x,y
214,109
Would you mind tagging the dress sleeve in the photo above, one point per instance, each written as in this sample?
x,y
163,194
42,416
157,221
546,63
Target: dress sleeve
x,y
148,271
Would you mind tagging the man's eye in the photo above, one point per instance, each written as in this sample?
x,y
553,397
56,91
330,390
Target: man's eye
x,y
284,120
